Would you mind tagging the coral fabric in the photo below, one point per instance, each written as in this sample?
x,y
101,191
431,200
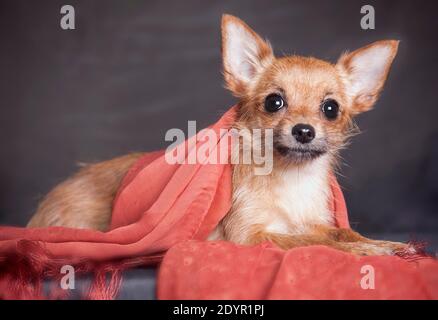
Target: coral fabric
x,y
162,206
223,270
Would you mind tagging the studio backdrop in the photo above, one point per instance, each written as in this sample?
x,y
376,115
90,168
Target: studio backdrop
x,y
131,70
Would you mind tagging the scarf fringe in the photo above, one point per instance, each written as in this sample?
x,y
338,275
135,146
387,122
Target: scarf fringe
x,y
22,274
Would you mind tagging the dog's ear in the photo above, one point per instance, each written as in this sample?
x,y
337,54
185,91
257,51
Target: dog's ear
x,y
244,54
365,71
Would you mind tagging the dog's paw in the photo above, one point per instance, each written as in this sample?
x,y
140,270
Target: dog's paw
x,y
382,248
398,248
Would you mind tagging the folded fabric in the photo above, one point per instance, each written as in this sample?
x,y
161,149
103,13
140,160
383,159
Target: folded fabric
x,y
159,206
223,270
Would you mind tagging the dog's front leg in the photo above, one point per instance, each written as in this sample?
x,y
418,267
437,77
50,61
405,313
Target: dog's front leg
x,y
357,242
341,239
289,241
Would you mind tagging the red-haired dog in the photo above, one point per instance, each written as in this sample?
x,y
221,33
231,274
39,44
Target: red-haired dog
x,y
308,104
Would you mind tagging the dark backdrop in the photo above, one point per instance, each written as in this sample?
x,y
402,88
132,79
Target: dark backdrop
x,y
133,69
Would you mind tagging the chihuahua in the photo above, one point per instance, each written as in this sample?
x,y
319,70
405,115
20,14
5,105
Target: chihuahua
x,y
309,105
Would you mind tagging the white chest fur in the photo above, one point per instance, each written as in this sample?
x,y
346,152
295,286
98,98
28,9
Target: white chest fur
x,y
286,202
302,194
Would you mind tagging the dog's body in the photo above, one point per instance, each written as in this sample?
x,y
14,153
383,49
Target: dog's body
x,y
309,105
85,200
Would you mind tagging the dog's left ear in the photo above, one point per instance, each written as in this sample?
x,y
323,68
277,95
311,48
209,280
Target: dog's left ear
x,y
365,71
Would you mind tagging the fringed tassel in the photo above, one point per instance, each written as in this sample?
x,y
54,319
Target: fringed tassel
x,y
103,288
22,273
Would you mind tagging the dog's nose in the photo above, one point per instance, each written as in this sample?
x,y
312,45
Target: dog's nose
x,y
303,133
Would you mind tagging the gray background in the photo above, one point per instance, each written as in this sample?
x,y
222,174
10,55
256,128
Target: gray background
x,y
133,69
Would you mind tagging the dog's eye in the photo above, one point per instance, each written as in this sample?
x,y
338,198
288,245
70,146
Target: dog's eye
x,y
330,108
274,102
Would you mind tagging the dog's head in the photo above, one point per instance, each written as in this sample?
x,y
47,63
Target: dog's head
x,y
309,103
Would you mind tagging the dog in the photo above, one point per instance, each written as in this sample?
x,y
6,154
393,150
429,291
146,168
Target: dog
x,y
309,105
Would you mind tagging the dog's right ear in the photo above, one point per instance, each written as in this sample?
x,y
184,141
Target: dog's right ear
x,y
244,54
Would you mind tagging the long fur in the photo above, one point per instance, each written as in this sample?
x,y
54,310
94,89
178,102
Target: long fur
x,y
289,206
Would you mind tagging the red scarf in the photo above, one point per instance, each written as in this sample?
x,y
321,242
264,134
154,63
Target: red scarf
x,y
158,206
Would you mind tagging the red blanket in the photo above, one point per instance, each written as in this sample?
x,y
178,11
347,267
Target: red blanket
x,y
159,207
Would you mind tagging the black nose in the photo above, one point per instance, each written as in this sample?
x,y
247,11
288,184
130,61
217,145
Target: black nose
x,y
303,133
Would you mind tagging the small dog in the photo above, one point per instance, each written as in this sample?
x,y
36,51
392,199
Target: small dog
x,y
309,105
